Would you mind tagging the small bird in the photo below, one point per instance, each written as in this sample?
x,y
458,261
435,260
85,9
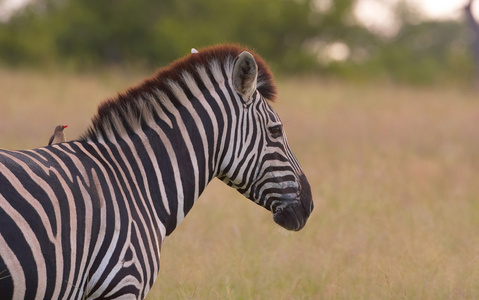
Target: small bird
x,y
58,136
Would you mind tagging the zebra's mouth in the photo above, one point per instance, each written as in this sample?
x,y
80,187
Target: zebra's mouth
x,y
292,216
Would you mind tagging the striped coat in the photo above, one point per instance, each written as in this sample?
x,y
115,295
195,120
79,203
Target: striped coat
x,y
86,219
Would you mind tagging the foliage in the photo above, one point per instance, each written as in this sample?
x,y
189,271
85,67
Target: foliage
x,y
293,35
422,53
90,32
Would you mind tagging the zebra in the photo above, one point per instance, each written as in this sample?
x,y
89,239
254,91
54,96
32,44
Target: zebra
x,y
85,219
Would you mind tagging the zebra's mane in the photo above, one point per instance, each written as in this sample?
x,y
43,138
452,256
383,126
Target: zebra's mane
x,y
128,110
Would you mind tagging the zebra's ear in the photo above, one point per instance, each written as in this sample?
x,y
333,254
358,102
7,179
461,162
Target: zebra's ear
x,y
245,74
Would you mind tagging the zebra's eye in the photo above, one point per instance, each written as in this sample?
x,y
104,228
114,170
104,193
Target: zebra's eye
x,y
276,131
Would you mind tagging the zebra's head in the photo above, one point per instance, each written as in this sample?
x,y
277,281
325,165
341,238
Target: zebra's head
x,y
261,165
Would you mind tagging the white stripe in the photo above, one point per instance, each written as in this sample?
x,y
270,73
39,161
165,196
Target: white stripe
x,y
117,226
180,95
73,223
29,235
219,141
14,269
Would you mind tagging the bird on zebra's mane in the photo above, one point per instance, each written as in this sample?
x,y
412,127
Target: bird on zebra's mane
x,y
58,136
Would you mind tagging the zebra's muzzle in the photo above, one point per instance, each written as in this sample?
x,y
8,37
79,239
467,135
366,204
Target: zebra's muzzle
x,y
293,215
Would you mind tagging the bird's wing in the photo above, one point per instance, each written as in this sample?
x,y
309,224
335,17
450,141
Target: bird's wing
x,y
51,140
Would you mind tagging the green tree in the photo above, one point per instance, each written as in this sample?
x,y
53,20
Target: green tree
x,y
290,34
90,32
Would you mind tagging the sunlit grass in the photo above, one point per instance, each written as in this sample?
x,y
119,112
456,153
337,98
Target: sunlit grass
x,y
394,173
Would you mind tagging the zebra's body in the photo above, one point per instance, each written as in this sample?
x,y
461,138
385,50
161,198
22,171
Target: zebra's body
x,y
64,238
86,219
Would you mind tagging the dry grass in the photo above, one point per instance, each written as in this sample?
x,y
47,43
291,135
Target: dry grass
x,y
32,104
394,172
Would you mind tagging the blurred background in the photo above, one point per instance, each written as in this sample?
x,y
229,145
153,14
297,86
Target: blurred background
x,y
412,41
380,103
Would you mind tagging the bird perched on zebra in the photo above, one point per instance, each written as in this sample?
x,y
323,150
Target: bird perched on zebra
x,y
58,135
86,219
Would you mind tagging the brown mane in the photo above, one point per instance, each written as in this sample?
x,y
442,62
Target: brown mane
x,y
115,108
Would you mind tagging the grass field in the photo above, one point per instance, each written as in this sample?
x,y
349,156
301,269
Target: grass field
x,y
394,173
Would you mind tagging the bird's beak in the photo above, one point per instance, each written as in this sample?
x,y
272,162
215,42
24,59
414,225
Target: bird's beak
x,y
65,126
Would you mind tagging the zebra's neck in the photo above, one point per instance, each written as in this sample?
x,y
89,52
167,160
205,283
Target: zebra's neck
x,y
179,131
182,121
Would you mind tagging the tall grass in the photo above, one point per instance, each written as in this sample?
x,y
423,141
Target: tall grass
x,y
394,173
